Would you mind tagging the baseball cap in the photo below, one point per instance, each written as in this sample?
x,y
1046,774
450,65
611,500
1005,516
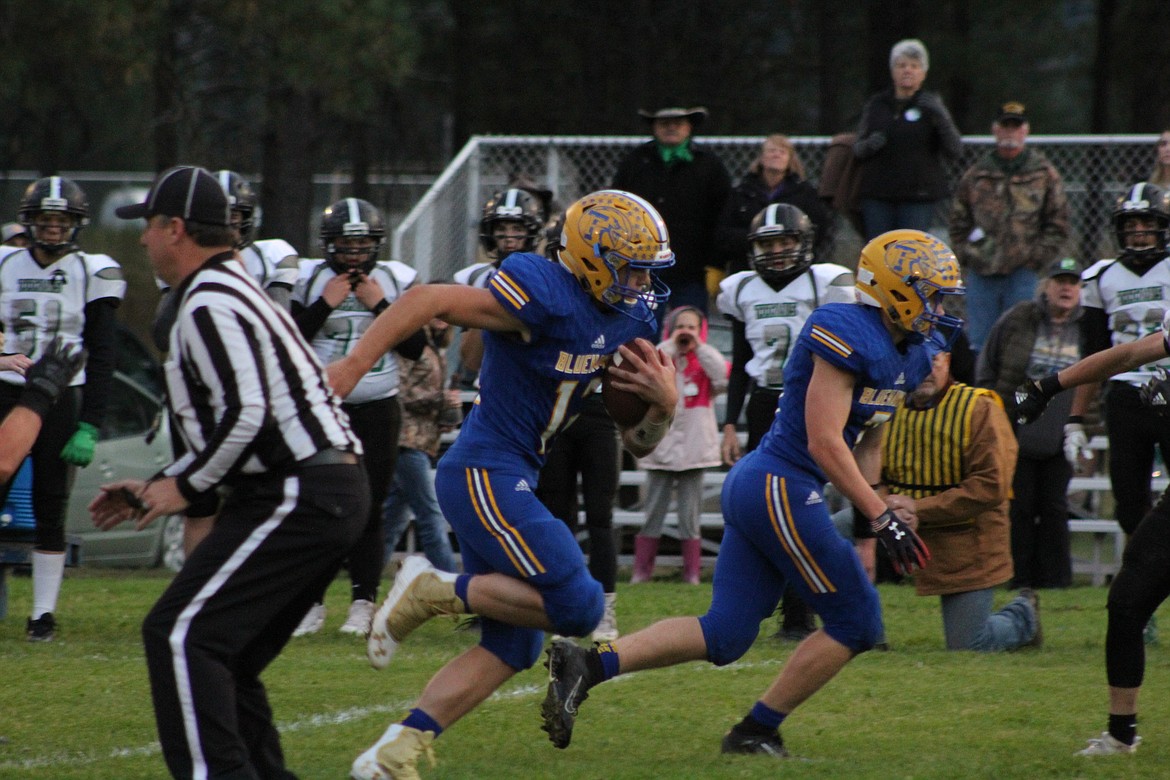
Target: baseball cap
x,y
694,115
1065,266
184,191
11,229
1012,111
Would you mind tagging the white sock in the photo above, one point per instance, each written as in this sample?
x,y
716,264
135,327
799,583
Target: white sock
x,y
48,570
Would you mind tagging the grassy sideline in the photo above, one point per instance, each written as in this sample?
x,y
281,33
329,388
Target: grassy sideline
x,y
80,707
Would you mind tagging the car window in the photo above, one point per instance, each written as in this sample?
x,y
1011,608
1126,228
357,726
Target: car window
x,y
137,362
131,410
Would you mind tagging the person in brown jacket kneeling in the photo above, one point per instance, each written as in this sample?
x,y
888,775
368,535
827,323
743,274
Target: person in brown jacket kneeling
x,y
947,462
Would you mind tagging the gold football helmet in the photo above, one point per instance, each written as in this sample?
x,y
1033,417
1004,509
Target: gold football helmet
x,y
604,233
905,273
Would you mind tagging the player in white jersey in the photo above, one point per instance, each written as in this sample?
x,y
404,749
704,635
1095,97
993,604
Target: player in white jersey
x,y
272,262
335,300
768,306
512,221
1124,300
48,291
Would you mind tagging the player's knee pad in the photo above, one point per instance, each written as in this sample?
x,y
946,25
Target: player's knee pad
x,y
519,648
576,605
727,638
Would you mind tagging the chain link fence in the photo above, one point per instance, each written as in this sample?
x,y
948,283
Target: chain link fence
x,y
438,236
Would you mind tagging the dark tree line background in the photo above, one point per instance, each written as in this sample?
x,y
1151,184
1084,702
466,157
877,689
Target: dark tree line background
x,y
286,88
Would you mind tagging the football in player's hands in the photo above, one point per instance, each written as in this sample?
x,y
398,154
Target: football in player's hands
x,y
625,407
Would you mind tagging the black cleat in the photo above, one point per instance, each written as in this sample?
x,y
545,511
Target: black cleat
x,y
568,684
771,744
42,629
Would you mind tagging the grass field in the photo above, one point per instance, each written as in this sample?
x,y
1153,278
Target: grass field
x,y
80,707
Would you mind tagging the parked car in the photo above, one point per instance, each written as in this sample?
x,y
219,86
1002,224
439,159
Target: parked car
x,y
123,452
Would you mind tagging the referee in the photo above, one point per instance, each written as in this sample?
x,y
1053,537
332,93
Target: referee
x,y
261,426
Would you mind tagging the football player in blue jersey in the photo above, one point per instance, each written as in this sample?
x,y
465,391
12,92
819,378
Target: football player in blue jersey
x,y
850,367
550,329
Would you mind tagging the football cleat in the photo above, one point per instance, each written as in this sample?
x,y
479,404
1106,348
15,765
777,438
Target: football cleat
x,y
420,593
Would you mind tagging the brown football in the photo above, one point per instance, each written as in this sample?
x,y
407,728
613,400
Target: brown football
x,y
626,408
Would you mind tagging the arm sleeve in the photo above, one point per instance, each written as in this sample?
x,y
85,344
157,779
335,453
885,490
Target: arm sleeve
x,y
737,383
98,338
311,318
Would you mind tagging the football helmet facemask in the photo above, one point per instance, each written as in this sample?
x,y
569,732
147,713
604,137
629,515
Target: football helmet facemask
x,y
512,205
244,202
608,233
54,194
907,274
351,218
780,219
1147,201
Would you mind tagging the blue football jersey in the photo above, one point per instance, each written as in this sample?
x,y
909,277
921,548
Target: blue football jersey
x,y
851,337
530,390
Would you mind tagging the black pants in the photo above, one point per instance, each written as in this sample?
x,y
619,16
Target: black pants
x,y
276,545
588,447
761,411
1134,431
52,477
376,424
1039,514
1139,588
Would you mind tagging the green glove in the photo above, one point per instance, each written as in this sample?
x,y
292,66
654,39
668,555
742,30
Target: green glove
x,y
79,449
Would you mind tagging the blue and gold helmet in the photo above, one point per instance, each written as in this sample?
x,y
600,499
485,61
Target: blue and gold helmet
x,y
907,273
605,232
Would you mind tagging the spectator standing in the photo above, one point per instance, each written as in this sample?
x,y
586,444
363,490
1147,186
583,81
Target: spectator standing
x,y
1160,175
51,290
1031,340
688,185
768,307
845,374
255,410
1009,221
427,412
776,176
690,447
947,460
336,299
904,134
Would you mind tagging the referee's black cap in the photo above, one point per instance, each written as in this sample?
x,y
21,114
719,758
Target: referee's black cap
x,y
184,191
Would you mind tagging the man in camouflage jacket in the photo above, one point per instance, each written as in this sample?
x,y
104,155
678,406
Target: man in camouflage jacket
x,y
1009,220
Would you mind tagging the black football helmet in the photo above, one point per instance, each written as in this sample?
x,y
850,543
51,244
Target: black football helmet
x,y
244,202
355,218
1148,201
54,193
512,205
780,219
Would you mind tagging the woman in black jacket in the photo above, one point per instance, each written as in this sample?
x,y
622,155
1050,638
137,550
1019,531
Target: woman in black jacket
x,y
904,133
776,176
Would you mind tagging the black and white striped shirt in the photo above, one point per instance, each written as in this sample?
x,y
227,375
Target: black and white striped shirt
x,y
249,395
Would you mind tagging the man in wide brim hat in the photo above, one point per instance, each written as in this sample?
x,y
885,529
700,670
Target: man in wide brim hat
x,y
694,115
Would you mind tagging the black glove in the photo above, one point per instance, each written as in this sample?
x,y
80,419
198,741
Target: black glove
x,y
907,550
930,101
870,145
1156,393
1033,396
45,378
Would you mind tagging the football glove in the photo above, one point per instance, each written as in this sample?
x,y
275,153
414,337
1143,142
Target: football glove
x,y
907,550
79,449
1156,393
1033,396
45,378
1076,443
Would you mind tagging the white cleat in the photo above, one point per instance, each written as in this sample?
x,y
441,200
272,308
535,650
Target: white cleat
x,y
361,614
312,621
394,756
1109,745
